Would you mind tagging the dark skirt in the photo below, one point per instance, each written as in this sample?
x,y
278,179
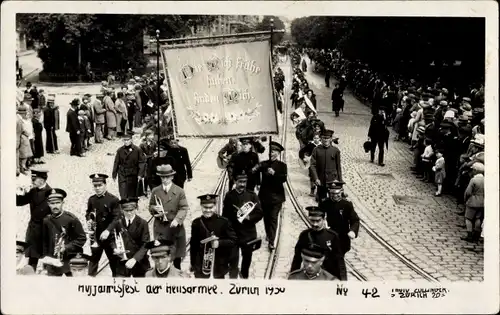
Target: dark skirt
x,y
37,147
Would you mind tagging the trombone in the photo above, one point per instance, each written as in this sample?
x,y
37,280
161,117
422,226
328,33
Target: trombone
x,y
208,262
159,203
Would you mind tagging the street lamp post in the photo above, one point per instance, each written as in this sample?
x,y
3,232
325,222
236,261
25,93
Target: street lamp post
x,y
158,84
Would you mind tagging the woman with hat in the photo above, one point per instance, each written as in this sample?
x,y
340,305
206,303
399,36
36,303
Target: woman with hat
x,y
110,114
23,135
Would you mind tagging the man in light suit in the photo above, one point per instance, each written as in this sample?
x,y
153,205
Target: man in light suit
x,y
169,206
100,119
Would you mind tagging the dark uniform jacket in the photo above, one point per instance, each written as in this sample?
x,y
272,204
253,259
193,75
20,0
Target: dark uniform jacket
x,y
334,262
221,228
39,209
129,162
148,148
301,275
172,272
245,231
341,218
307,150
245,161
271,189
325,164
183,164
134,238
107,210
74,238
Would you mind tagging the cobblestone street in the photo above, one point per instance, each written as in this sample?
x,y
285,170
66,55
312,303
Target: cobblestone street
x,y
399,208
391,201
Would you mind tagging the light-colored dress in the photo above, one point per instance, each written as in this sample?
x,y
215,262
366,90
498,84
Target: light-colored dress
x,y
439,173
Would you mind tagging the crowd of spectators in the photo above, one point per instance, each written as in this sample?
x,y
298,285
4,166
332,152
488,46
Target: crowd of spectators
x,y
445,130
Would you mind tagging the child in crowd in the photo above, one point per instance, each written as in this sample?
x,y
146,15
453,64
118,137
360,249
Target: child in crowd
x,y
439,171
427,157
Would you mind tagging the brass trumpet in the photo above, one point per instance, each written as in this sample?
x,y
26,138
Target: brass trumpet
x,y
207,267
159,203
244,211
120,246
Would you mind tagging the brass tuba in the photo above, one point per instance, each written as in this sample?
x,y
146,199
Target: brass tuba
x,y
207,267
244,211
120,246
59,244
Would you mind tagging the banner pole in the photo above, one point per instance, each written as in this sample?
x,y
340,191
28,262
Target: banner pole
x,y
272,76
158,84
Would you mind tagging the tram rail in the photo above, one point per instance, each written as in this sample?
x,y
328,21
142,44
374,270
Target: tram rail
x,y
369,231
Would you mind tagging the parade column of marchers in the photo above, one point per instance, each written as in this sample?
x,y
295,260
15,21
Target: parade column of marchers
x,y
72,173
425,233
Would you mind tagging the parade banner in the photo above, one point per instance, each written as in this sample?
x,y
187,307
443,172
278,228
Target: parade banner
x,y
221,90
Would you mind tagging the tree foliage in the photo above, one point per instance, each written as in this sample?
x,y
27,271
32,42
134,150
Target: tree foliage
x,y
108,41
398,43
265,25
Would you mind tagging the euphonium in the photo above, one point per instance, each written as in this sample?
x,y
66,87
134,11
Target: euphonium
x,y
93,229
59,244
159,203
208,255
244,211
120,246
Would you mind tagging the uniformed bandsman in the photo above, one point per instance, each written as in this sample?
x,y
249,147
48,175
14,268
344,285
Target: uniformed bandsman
x,y
79,265
36,197
169,206
21,267
340,215
272,192
243,222
334,261
132,234
161,254
209,225
245,161
313,257
63,235
102,210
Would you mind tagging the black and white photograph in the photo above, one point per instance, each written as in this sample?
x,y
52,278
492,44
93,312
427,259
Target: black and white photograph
x,y
236,146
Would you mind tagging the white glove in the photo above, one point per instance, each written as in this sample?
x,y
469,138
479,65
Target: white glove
x,y
351,235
